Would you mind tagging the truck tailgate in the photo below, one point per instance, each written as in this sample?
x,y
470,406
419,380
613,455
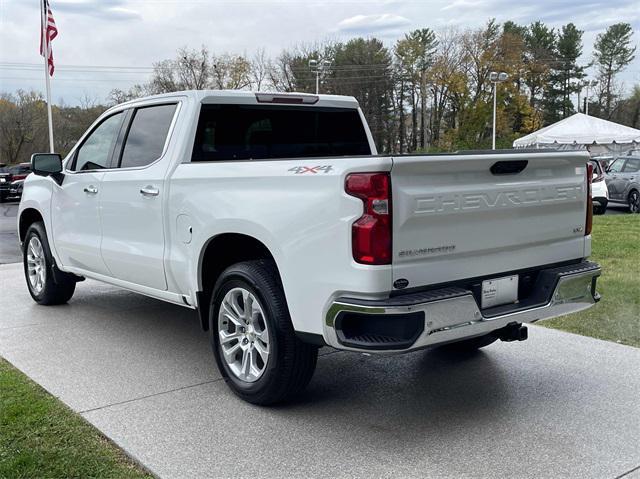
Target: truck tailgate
x,y
454,218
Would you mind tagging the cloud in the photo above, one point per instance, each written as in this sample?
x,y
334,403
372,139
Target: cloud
x,y
364,24
105,9
461,4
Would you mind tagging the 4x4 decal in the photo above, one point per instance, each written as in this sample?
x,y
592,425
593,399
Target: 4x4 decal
x,y
301,170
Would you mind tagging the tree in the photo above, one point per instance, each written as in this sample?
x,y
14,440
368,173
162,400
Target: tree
x,y
565,77
363,68
612,53
22,126
230,72
628,110
540,43
415,53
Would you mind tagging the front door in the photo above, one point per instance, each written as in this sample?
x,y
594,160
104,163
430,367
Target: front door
x,y
75,214
615,181
131,200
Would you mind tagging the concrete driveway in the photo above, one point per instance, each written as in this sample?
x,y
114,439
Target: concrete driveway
x,y
557,405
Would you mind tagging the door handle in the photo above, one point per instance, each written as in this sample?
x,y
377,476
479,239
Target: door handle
x,y
149,191
90,190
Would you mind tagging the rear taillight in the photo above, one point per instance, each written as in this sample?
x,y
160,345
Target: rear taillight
x,y
18,177
371,233
589,220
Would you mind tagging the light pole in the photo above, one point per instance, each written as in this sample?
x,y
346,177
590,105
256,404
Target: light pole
x,y
319,67
590,84
496,78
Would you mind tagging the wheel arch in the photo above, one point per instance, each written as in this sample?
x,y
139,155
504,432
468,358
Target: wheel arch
x,y
27,217
218,253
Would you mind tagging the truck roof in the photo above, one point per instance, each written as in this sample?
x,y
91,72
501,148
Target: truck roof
x,y
250,97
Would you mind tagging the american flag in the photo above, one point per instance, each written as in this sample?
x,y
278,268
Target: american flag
x,y
48,31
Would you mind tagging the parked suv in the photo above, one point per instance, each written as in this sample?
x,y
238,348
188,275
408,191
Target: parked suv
x,y
623,182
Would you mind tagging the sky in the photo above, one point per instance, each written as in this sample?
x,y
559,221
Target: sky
x,y
106,44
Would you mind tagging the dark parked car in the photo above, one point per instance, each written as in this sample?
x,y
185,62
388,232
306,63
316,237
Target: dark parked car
x,y
15,190
5,181
9,174
623,181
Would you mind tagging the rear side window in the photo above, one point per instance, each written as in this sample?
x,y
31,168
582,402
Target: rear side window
x,y
147,135
632,165
241,132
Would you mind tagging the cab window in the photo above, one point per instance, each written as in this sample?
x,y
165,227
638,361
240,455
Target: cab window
x,y
95,151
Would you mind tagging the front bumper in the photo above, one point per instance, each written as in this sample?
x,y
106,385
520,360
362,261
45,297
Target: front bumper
x,y
450,314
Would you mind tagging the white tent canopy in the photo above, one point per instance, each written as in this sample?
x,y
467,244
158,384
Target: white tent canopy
x,y
581,130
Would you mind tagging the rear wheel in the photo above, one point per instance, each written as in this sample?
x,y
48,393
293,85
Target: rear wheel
x,y
253,340
634,202
599,208
39,270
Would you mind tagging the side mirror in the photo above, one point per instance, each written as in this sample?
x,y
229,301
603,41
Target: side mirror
x,y
46,164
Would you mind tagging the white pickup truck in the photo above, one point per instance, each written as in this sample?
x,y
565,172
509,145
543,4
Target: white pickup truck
x,y
274,217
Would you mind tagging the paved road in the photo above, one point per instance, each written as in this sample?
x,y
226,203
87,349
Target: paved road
x,y
9,246
557,405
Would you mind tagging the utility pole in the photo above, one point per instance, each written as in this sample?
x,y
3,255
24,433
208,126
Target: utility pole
x,y
319,67
590,84
496,78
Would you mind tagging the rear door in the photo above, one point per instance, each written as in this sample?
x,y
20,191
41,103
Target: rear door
x,y
132,196
630,176
463,216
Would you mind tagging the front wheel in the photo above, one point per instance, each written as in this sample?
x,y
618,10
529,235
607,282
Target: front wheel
x,y
253,339
39,269
634,202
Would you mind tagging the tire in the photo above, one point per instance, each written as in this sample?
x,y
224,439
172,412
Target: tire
x,y
289,363
472,344
634,201
599,209
47,285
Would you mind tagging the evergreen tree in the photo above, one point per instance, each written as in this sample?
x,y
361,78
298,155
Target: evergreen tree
x,y
565,77
613,52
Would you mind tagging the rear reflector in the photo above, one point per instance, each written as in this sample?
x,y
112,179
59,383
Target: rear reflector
x,y
298,99
589,220
371,233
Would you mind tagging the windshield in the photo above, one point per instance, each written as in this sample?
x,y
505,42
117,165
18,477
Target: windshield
x,y
616,166
240,132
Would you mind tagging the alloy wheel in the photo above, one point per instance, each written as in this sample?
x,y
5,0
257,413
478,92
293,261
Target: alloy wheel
x,y
36,265
634,202
243,334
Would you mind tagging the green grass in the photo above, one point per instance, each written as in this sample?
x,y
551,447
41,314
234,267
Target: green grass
x,y
41,438
616,246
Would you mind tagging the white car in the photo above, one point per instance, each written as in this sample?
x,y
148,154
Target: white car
x,y
599,189
275,217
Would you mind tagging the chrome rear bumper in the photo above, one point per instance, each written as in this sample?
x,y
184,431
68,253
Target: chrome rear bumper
x,y
452,314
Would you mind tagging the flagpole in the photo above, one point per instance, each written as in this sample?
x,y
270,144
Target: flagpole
x,y
45,43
